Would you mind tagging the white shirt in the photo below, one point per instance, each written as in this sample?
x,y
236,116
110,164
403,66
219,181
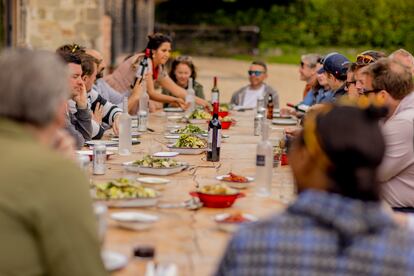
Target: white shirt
x,y
251,96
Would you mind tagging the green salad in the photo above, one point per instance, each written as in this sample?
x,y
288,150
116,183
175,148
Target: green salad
x,y
200,114
153,162
190,141
122,188
189,129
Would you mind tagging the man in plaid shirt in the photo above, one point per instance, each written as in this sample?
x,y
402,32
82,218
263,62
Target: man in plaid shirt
x,y
337,225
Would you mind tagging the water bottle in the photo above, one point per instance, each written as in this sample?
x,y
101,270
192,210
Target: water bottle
x,y
143,110
125,137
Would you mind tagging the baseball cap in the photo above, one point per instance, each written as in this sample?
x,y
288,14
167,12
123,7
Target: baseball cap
x,y
336,64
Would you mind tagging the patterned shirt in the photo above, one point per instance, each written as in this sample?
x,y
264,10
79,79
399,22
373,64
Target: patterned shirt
x,y
322,234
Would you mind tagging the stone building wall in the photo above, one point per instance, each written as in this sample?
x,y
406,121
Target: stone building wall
x,y
51,23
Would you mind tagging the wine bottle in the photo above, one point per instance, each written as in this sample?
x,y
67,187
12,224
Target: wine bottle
x,y
125,138
299,108
264,163
269,107
143,110
142,69
190,97
214,127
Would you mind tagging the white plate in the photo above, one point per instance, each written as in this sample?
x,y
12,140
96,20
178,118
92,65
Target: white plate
x,y
220,177
165,154
231,226
189,151
236,185
222,135
153,180
133,202
133,133
175,117
198,121
283,121
101,142
173,126
154,171
172,136
113,260
134,140
173,109
133,217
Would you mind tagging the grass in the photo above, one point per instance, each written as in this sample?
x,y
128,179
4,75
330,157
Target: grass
x,y
291,55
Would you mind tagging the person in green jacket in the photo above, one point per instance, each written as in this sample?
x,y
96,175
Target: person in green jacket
x,y
47,225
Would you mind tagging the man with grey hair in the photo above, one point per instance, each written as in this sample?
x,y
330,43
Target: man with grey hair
x,y
309,65
47,223
405,58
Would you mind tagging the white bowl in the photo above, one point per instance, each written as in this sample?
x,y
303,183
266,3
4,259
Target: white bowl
x,y
188,151
129,166
113,260
134,220
197,121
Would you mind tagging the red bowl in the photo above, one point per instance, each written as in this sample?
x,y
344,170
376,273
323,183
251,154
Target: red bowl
x,y
226,125
222,114
217,201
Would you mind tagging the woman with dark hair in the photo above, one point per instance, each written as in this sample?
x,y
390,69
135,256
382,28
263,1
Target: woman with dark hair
x,y
160,50
337,225
182,69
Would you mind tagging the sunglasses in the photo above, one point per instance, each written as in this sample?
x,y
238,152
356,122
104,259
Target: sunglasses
x,y
364,59
255,73
366,91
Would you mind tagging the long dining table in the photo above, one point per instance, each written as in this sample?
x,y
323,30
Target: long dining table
x,y
190,239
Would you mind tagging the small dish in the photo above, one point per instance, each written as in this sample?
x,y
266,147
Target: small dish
x,y
113,260
153,182
173,109
134,140
226,125
101,142
134,220
174,117
285,121
236,185
172,136
231,226
165,154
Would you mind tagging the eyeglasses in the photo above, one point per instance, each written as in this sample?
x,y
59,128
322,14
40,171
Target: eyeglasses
x,y
366,91
255,73
348,83
364,59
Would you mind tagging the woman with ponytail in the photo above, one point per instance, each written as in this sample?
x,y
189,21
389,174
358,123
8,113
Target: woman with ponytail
x,y
337,225
160,50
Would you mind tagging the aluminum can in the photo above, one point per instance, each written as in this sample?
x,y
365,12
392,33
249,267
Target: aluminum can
x,y
258,120
99,157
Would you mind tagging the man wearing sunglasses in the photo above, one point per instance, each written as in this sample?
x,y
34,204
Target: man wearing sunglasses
x,y
392,83
246,97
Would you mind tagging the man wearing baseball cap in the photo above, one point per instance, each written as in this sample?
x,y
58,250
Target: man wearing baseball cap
x,y
335,67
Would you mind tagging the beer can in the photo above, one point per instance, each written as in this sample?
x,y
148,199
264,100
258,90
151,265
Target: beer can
x,y
99,157
258,120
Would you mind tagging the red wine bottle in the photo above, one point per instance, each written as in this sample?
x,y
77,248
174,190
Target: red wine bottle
x,y
214,127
